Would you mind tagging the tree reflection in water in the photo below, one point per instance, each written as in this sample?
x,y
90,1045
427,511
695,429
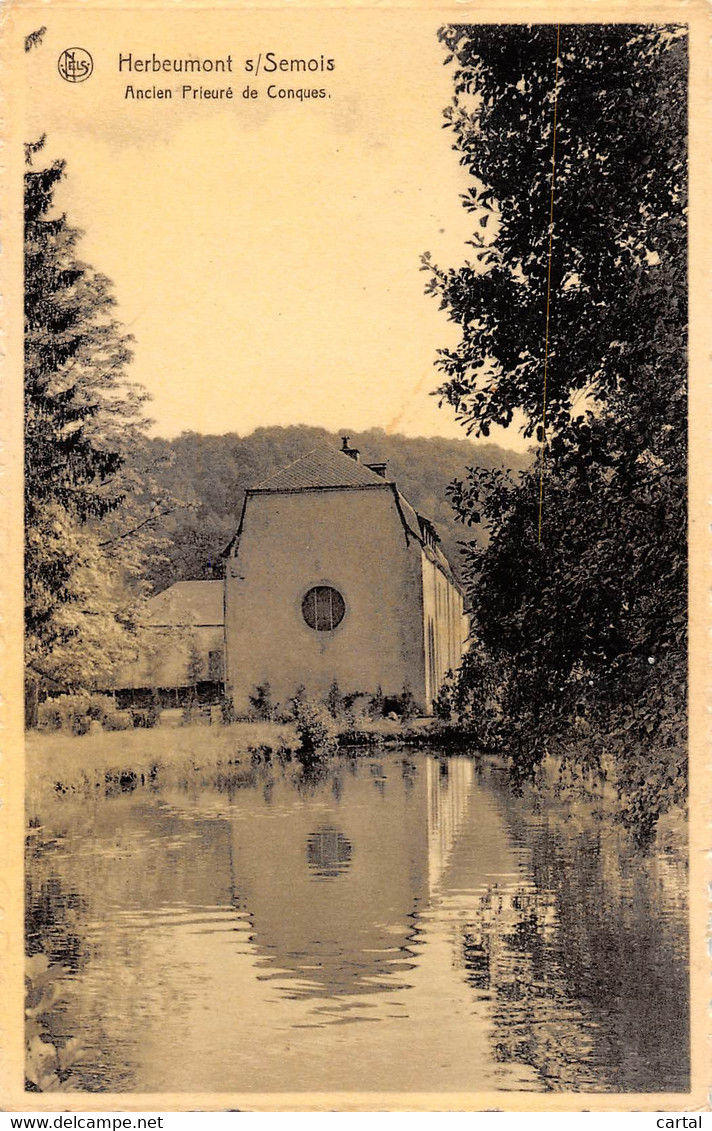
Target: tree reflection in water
x,y
586,970
506,941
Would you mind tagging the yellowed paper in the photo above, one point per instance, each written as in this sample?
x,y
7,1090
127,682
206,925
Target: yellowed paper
x,y
258,183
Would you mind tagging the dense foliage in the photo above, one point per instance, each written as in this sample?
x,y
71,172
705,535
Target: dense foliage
x,y
580,637
88,492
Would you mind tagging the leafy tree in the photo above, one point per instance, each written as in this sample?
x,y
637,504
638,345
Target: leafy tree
x,y
88,522
585,624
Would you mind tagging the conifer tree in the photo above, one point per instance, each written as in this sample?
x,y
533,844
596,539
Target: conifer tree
x,y
83,417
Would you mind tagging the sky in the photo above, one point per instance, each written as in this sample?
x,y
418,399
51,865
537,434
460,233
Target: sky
x,y
265,253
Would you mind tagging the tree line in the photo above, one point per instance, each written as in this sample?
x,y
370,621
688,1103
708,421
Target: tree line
x,y
211,474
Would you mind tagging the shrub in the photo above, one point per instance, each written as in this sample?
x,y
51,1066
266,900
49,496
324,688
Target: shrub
x,y
227,710
117,720
261,701
356,710
299,696
80,724
49,716
145,717
407,706
444,701
316,731
334,700
481,690
74,713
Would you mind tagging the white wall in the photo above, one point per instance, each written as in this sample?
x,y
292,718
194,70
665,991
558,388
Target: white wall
x,y
352,540
445,626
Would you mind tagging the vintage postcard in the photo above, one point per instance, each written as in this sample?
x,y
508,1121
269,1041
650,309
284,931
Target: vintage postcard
x,y
355,614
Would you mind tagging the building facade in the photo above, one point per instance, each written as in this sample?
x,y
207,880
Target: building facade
x,y
182,651
333,576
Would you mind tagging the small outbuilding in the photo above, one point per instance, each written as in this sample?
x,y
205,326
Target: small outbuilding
x,y
181,656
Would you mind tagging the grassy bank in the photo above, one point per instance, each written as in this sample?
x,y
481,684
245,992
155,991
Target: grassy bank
x,y
61,763
65,763
102,763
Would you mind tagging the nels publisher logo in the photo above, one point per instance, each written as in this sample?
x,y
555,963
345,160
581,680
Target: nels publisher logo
x,y
75,64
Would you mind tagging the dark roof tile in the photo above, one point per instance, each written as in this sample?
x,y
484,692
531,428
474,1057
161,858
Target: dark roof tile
x,y
323,467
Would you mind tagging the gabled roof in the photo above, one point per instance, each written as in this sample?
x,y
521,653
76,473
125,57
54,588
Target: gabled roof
x,y
190,603
322,467
326,468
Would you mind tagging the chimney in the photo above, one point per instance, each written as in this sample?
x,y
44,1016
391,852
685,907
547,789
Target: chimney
x,y
379,468
352,453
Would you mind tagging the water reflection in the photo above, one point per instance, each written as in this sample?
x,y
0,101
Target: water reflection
x,y
326,941
328,854
389,924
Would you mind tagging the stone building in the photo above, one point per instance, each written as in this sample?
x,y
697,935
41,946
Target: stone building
x,y
333,576
181,656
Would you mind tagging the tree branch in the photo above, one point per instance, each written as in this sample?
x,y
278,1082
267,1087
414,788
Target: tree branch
x,y
135,529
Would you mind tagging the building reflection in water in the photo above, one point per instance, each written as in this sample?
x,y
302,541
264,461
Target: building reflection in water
x,y
352,934
449,790
328,854
384,844
505,949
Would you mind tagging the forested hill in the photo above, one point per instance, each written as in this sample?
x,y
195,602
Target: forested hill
x,y
212,473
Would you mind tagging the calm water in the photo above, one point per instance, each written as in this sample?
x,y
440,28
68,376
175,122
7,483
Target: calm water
x,y
397,924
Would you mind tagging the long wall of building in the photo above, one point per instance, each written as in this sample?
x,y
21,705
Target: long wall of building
x,y
445,625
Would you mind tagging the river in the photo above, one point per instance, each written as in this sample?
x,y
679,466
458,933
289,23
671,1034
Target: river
x,y
394,923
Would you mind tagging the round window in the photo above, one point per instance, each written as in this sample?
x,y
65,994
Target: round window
x,y
323,608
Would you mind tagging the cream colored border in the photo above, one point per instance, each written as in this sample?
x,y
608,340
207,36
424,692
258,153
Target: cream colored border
x,y
698,16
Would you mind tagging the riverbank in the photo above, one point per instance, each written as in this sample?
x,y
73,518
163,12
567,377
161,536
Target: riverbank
x,y
102,763
61,763
104,760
